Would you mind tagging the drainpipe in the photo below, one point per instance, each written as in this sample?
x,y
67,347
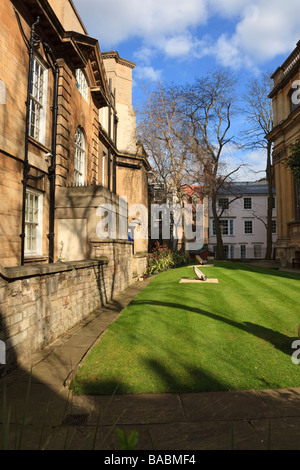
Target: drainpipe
x,y
114,188
115,142
34,41
52,167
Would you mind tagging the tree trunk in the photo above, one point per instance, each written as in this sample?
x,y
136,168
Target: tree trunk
x,y
269,173
220,251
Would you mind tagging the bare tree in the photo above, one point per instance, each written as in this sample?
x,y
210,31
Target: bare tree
x,y
210,104
259,116
186,132
164,135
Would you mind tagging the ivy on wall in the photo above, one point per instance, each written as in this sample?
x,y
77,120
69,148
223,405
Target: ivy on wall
x,y
293,160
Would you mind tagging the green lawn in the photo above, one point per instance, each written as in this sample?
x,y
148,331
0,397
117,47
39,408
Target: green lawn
x,y
176,338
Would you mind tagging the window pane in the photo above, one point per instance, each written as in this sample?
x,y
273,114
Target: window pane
x,y
213,227
247,203
248,228
32,222
257,251
223,203
79,158
224,227
81,83
36,98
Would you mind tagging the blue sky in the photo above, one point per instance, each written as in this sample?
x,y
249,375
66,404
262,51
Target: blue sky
x,y
180,41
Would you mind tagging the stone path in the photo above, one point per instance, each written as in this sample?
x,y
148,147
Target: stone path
x,y
198,421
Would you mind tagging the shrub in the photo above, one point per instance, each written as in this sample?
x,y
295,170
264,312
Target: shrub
x,y
180,259
293,160
162,258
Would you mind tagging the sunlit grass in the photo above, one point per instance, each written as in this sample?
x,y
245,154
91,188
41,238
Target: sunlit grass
x,y
189,338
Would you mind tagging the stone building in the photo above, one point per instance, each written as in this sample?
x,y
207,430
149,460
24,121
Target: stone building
x,y
286,131
59,164
71,175
190,233
243,207
132,166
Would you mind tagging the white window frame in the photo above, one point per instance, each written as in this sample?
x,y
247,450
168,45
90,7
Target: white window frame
x,y
244,223
38,101
244,200
81,83
224,200
228,251
33,224
243,251
79,158
230,227
260,251
103,168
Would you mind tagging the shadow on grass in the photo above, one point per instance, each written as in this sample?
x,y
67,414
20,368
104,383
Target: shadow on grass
x,y
194,379
193,375
239,266
278,340
170,383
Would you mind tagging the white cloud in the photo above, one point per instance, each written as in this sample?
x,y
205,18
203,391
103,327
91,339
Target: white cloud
x,y
184,45
144,55
269,28
228,8
244,165
178,46
253,165
257,30
266,28
147,73
116,20
227,52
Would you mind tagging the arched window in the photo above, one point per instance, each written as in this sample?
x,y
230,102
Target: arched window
x,y
79,158
81,83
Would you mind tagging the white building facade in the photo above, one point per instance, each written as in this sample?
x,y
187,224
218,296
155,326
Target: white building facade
x,y
243,216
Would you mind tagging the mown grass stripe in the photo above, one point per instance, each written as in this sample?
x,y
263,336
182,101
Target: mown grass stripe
x,y
190,337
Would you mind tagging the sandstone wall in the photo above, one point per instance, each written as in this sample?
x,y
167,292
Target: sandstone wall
x,y
40,303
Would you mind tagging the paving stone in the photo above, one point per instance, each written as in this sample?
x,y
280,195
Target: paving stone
x,y
223,405
129,409
281,403
220,435
280,433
